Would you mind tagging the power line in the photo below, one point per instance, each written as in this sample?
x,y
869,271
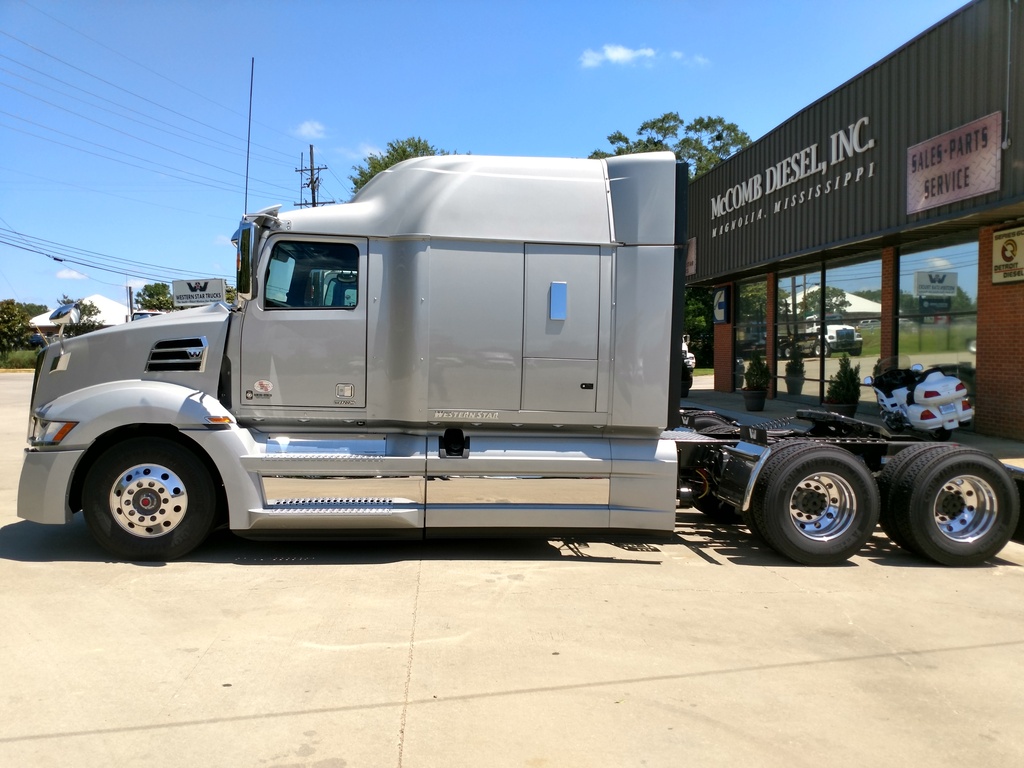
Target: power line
x,y
123,133
119,88
163,169
64,254
149,69
149,122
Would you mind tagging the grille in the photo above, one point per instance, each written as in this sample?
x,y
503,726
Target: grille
x,y
187,354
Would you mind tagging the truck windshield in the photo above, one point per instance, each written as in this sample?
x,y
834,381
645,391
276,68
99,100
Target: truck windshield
x,y
312,275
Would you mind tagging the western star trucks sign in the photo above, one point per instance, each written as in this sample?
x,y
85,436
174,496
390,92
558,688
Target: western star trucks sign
x,y
193,293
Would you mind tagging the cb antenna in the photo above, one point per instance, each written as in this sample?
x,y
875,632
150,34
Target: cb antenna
x,y
248,137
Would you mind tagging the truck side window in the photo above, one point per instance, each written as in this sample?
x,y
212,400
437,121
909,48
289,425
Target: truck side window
x,y
304,275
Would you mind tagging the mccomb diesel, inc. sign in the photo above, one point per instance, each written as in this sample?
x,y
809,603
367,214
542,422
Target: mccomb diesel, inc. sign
x,y
809,163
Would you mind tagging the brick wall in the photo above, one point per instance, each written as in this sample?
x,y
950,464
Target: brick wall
x,y
998,399
890,285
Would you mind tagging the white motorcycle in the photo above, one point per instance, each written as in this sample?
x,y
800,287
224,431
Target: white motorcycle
x,y
928,401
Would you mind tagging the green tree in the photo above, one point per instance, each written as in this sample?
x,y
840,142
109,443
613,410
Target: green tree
x,y
699,325
13,328
962,302
87,322
396,152
705,141
154,296
835,301
31,310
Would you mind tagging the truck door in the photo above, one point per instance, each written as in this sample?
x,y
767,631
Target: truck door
x,y
303,343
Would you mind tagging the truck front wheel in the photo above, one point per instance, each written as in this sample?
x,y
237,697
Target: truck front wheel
x,y
149,499
815,504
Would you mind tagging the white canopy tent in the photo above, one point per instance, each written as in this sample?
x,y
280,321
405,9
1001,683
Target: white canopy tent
x,y
111,313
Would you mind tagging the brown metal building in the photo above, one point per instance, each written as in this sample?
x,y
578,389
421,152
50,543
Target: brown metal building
x,y
893,208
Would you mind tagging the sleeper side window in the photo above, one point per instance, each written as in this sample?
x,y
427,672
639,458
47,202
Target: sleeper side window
x,y
312,275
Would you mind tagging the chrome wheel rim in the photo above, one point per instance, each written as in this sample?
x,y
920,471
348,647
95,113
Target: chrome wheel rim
x,y
148,501
822,506
965,508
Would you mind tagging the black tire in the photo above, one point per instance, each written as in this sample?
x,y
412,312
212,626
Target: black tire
x,y
954,505
149,499
941,434
888,478
705,421
815,504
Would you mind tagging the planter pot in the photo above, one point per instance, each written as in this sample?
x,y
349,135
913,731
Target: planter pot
x,y
843,409
794,385
754,399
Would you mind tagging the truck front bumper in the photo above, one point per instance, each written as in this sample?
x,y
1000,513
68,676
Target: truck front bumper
x,y
44,485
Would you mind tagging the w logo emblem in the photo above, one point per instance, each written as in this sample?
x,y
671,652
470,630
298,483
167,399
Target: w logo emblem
x,y
198,287
937,279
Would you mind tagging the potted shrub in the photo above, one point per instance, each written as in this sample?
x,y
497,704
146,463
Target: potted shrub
x,y
843,390
795,372
755,382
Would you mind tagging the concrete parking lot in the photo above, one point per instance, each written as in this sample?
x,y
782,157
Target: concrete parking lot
x,y
702,650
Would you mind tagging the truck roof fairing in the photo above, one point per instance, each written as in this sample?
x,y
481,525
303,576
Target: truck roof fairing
x,y
519,199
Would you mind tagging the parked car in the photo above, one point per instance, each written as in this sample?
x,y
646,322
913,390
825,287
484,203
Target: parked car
x,y
38,340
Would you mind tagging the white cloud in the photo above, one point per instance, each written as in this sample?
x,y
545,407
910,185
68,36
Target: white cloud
x,y
615,54
311,129
70,274
696,60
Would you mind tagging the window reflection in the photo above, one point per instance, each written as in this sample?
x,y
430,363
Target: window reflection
x,y
751,326
822,314
938,310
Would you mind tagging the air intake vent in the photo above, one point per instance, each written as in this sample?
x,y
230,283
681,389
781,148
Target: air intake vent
x,y
177,355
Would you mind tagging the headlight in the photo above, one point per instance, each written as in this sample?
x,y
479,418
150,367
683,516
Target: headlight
x,y
49,432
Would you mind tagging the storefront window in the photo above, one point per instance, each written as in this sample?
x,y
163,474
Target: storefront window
x,y
751,324
816,325
938,308
794,340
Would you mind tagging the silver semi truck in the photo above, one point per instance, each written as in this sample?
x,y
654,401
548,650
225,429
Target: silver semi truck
x,y
471,346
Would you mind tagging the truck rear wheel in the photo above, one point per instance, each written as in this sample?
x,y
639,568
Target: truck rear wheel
x,y
815,504
149,499
954,505
889,477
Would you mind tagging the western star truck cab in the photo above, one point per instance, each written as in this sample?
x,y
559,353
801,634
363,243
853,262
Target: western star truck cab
x,y
471,346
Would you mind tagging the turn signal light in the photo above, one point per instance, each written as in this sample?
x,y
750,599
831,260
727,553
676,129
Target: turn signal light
x,y
927,415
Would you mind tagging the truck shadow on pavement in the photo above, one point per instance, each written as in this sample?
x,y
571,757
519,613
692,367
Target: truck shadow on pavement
x,y
33,543
714,543
717,543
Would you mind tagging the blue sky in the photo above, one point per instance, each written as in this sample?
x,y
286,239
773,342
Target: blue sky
x,y
123,124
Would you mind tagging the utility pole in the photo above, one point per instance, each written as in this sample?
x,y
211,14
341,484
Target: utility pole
x,y
313,184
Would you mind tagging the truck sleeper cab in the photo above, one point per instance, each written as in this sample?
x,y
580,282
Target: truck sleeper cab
x,y
471,345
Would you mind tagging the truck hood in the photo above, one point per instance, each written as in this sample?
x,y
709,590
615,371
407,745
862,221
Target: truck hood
x,y
181,347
